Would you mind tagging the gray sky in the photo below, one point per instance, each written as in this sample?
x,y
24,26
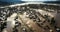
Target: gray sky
x,y
26,0
38,0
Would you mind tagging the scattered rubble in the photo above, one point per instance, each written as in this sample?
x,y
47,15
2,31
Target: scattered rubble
x,y
28,18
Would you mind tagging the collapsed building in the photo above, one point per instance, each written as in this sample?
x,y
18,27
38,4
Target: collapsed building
x,y
30,18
